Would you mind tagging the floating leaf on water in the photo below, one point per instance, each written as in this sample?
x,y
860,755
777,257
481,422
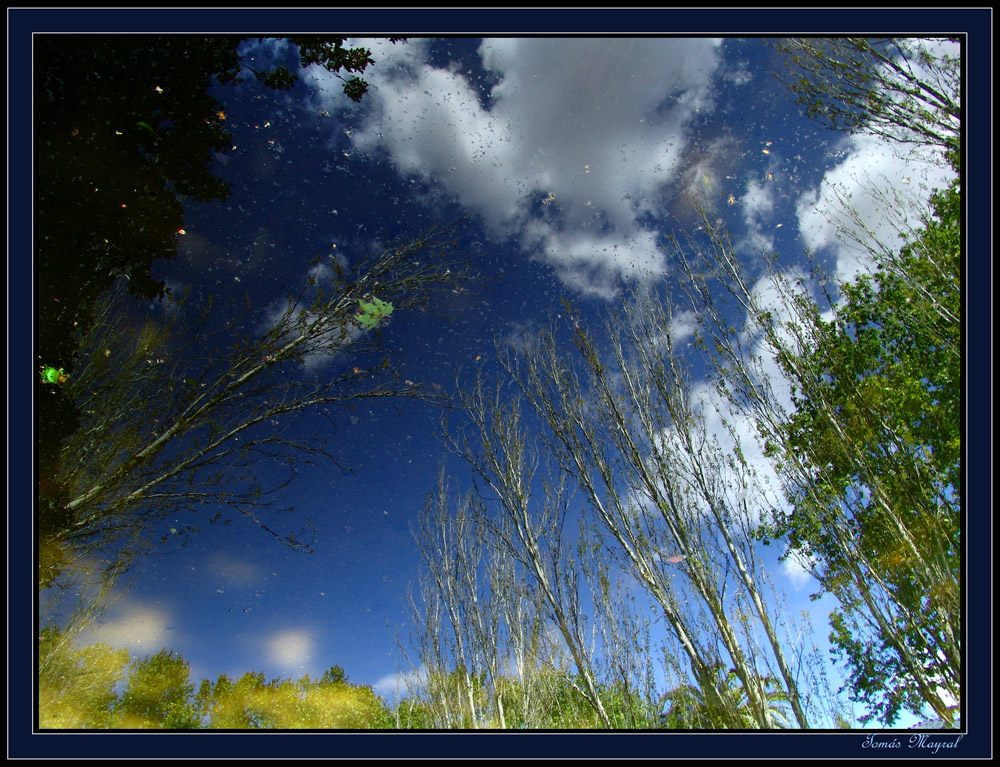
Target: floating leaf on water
x,y
372,312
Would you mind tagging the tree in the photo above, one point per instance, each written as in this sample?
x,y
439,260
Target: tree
x,y
866,437
126,131
467,635
157,695
481,609
906,91
676,508
530,528
501,636
627,657
867,444
169,425
109,180
881,420
77,690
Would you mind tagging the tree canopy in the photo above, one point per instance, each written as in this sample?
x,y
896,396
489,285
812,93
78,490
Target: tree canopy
x,y
878,417
872,447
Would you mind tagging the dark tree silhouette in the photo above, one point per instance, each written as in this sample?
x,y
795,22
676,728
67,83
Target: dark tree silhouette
x,y
125,131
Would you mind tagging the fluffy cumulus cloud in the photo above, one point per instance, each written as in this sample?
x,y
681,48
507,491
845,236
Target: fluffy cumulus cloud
x,y
566,148
590,262
754,488
757,207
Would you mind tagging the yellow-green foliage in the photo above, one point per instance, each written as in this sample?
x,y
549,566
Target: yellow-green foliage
x,y
251,703
76,687
157,696
77,690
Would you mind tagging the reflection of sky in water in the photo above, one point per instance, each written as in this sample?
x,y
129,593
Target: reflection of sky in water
x,y
572,160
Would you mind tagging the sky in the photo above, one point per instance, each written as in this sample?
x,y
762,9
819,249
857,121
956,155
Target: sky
x,y
572,160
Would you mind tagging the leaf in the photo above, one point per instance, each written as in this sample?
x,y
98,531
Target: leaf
x,y
372,312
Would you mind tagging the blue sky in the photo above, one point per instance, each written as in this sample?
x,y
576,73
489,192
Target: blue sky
x,y
572,160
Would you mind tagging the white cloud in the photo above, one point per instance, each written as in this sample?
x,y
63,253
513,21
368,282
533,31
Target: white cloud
x,y
756,484
590,262
683,326
881,187
291,650
775,298
401,684
741,75
595,126
796,569
757,205
866,201
138,627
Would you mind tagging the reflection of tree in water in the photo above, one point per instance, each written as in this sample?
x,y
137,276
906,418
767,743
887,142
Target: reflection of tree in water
x,y
125,130
171,422
97,688
124,125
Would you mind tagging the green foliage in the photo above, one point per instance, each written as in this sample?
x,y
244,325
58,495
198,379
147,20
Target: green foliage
x,y
51,375
333,675
414,714
557,702
878,418
721,704
451,692
565,707
279,79
373,312
551,699
330,54
874,668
